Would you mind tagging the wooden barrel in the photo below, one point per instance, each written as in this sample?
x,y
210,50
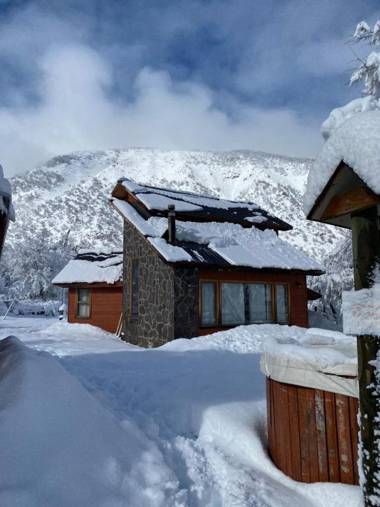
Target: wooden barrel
x,y
313,434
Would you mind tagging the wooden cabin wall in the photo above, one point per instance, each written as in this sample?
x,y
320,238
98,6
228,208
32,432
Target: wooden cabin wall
x,y
106,307
312,434
298,312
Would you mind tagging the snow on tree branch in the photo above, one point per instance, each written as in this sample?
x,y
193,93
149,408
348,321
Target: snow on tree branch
x,y
368,72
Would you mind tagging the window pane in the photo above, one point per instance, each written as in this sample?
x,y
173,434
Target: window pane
x,y
260,302
83,306
233,304
135,288
208,304
84,295
282,304
83,310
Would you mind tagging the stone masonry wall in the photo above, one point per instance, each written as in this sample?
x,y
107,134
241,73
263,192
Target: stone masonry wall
x,y
154,324
186,290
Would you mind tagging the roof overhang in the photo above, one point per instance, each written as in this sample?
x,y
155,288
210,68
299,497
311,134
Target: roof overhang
x,y
344,194
86,285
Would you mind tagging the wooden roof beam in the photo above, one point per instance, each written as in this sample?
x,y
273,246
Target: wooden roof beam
x,y
348,202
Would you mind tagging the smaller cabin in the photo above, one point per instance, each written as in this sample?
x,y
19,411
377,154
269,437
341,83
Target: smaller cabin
x,y
196,264
95,289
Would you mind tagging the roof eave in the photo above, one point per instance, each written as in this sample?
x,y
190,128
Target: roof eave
x,y
67,285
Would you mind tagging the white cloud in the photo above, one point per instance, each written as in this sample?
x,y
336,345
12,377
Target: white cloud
x,y
77,112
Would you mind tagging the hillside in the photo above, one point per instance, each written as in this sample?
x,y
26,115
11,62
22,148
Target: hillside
x,y
63,204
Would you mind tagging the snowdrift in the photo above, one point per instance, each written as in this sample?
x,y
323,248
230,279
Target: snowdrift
x,y
61,447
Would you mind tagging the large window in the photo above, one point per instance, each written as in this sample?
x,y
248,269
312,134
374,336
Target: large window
x,y
231,304
83,303
135,272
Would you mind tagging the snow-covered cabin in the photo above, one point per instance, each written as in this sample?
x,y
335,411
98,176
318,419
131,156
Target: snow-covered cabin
x,y
6,208
195,264
95,289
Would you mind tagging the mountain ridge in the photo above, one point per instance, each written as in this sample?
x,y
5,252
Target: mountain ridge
x,y
65,200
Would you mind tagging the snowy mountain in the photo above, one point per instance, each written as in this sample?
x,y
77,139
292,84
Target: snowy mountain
x,y
63,205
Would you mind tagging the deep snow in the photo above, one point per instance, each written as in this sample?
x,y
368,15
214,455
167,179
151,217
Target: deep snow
x,y
192,415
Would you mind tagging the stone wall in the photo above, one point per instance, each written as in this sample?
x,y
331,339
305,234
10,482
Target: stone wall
x,y
154,324
186,290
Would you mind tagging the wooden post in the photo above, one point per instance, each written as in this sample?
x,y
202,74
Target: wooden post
x,y
366,253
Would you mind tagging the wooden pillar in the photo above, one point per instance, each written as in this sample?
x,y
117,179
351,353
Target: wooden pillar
x,y
366,253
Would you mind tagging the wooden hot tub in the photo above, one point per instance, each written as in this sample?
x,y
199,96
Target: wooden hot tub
x,y
312,433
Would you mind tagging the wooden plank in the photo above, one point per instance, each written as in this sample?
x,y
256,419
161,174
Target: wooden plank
x,y
353,402
283,406
320,419
269,416
344,439
313,441
332,437
271,431
279,421
305,408
348,202
294,434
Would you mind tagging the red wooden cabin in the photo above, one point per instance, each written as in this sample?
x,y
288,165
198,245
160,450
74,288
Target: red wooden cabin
x,y
95,289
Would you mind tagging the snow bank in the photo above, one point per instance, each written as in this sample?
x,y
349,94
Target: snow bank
x,y
357,143
203,409
241,339
61,447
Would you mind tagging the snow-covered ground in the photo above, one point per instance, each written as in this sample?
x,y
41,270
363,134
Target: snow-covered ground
x,y
99,422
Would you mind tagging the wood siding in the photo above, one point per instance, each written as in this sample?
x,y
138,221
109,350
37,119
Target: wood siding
x,y
106,307
312,434
296,282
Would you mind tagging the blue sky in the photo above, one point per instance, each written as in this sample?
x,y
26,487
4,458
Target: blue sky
x,y
173,74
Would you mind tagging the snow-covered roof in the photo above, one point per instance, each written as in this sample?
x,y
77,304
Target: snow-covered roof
x,y
355,142
92,267
219,244
196,207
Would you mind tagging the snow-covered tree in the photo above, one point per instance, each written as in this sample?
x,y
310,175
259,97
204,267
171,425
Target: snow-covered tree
x,y
369,68
27,272
367,72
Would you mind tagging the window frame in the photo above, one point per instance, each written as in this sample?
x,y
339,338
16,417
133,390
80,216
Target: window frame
x,y
218,301
78,302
